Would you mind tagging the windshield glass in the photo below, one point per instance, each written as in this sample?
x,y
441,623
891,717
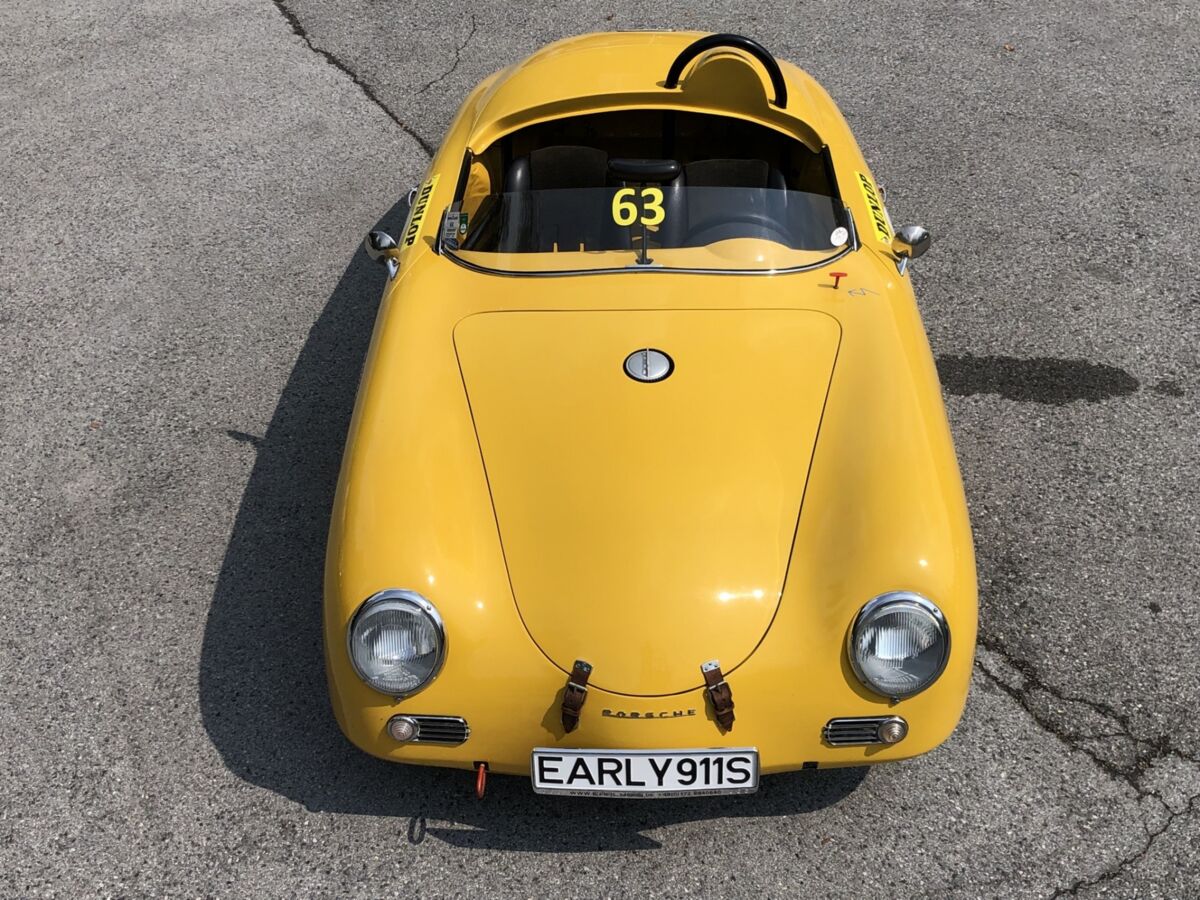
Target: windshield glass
x,y
643,226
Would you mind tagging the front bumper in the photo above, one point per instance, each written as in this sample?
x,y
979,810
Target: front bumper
x,y
786,727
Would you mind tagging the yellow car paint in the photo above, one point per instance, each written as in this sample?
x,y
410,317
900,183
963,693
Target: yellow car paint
x,y
826,491
633,512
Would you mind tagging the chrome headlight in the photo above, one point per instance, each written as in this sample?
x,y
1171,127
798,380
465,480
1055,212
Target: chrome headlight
x,y
397,642
899,644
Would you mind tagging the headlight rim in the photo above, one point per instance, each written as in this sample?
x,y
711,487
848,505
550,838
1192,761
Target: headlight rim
x,y
423,604
887,599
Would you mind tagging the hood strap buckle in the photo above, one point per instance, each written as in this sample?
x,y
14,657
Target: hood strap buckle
x,y
575,694
718,693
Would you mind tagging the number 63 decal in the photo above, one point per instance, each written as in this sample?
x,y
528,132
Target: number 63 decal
x,y
625,210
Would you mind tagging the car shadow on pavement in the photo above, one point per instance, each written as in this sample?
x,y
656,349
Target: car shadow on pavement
x,y
262,686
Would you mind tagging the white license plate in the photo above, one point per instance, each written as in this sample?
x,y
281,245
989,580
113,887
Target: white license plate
x,y
644,773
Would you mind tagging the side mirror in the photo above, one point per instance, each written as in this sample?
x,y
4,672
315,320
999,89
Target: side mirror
x,y
909,242
379,246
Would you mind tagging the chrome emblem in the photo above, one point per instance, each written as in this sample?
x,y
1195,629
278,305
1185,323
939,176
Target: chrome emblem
x,y
660,714
648,365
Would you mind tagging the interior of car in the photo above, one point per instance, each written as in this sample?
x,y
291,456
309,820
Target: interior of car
x,y
549,187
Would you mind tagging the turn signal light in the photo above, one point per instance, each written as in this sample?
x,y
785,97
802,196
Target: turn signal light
x,y
893,730
402,729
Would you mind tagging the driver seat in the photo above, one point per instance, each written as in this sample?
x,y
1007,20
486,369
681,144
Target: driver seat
x,y
708,213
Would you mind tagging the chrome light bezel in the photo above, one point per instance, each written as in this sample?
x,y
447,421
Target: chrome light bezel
x,y
884,601
416,600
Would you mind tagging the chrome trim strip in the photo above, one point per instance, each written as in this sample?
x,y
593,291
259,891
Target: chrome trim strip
x,y
854,243
856,731
422,604
455,725
450,254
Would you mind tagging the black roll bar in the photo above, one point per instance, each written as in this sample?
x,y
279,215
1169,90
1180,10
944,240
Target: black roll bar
x,y
753,47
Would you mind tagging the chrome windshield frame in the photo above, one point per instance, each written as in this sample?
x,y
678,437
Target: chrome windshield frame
x,y
444,249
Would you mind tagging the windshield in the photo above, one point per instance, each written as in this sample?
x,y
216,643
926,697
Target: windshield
x,y
738,229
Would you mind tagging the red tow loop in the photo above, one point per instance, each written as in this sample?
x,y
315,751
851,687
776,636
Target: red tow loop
x,y
480,780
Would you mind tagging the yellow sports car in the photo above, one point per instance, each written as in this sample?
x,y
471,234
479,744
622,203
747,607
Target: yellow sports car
x,y
649,488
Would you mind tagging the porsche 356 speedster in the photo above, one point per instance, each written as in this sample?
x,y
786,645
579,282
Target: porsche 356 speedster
x,y
649,487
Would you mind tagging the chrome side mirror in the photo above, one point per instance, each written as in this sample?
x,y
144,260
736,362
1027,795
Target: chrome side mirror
x,y
379,245
909,242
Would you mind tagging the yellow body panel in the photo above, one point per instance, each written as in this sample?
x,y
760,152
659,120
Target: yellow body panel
x,y
633,512
625,70
880,500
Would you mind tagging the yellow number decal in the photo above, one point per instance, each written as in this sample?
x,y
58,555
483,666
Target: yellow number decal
x,y
624,212
652,211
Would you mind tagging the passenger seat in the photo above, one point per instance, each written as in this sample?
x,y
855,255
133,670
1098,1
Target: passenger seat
x,y
539,222
739,173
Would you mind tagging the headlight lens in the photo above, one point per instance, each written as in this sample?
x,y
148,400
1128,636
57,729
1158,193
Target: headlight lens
x,y
899,644
397,642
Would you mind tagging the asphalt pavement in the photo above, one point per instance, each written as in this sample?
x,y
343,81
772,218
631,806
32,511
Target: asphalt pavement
x,y
183,314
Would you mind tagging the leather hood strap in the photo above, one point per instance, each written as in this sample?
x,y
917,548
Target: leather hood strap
x,y
719,694
575,694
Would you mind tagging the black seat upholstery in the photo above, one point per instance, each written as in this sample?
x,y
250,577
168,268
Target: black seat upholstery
x,y
556,168
555,199
741,173
710,214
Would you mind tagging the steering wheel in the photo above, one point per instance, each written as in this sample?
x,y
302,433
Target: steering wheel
x,y
764,223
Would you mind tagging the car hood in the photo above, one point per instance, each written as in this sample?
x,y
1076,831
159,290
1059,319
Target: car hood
x,y
647,527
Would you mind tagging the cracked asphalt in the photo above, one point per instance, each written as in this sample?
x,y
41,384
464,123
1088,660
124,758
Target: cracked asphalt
x,y
183,314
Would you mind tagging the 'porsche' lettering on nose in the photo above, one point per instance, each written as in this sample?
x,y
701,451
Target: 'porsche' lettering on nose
x,y
659,714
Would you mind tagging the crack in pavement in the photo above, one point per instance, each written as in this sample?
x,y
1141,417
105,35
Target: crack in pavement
x,y
457,58
1149,751
1122,864
333,60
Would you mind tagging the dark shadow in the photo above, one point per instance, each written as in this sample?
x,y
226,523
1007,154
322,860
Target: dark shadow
x,y
1168,387
1040,380
262,685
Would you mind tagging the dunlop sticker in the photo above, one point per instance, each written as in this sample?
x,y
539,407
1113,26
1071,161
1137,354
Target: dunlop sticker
x,y
417,215
879,216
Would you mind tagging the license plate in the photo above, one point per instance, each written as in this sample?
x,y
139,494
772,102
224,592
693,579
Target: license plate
x,y
644,773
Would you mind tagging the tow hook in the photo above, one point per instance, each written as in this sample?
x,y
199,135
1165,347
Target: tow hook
x,y
481,770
